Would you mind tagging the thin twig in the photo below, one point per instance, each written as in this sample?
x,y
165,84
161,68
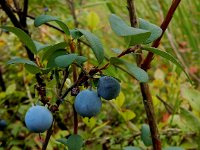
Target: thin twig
x,y
47,138
24,14
2,83
72,9
168,107
66,73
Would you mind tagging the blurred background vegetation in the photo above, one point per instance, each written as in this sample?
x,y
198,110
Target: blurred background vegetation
x,y
176,102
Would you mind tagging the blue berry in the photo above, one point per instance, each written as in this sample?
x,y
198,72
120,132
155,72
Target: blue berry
x,y
87,103
108,87
3,124
38,119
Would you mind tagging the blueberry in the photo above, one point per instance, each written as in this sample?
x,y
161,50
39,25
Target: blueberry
x,y
87,103
108,87
38,119
3,124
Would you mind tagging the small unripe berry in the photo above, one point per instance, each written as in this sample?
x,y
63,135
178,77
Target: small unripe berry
x,y
108,87
38,119
87,103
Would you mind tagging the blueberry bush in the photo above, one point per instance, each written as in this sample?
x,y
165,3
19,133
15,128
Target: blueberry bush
x,y
98,75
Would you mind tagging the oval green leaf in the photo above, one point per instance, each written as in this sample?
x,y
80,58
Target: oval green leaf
x,y
74,142
75,34
65,60
146,135
51,49
24,37
156,31
136,35
40,46
46,18
137,72
32,69
51,59
81,59
30,66
95,44
18,60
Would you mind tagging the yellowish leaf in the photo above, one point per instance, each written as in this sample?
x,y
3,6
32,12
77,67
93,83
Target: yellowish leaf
x,y
90,122
120,100
128,114
100,127
92,20
156,102
11,89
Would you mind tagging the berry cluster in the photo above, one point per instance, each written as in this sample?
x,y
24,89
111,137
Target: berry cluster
x,y
88,102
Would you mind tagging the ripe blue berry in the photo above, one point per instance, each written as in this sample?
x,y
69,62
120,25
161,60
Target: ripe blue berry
x,y
87,103
38,119
3,124
108,87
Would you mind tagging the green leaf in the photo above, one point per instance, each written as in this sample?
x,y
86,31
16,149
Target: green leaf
x,y
135,35
192,95
62,140
110,7
32,69
173,148
11,89
40,46
95,44
18,60
156,31
51,49
51,59
30,66
65,60
190,119
75,34
81,59
146,135
119,101
168,57
131,148
90,122
74,142
46,18
24,37
137,72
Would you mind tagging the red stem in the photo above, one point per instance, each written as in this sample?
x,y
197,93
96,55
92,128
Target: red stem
x,y
146,63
